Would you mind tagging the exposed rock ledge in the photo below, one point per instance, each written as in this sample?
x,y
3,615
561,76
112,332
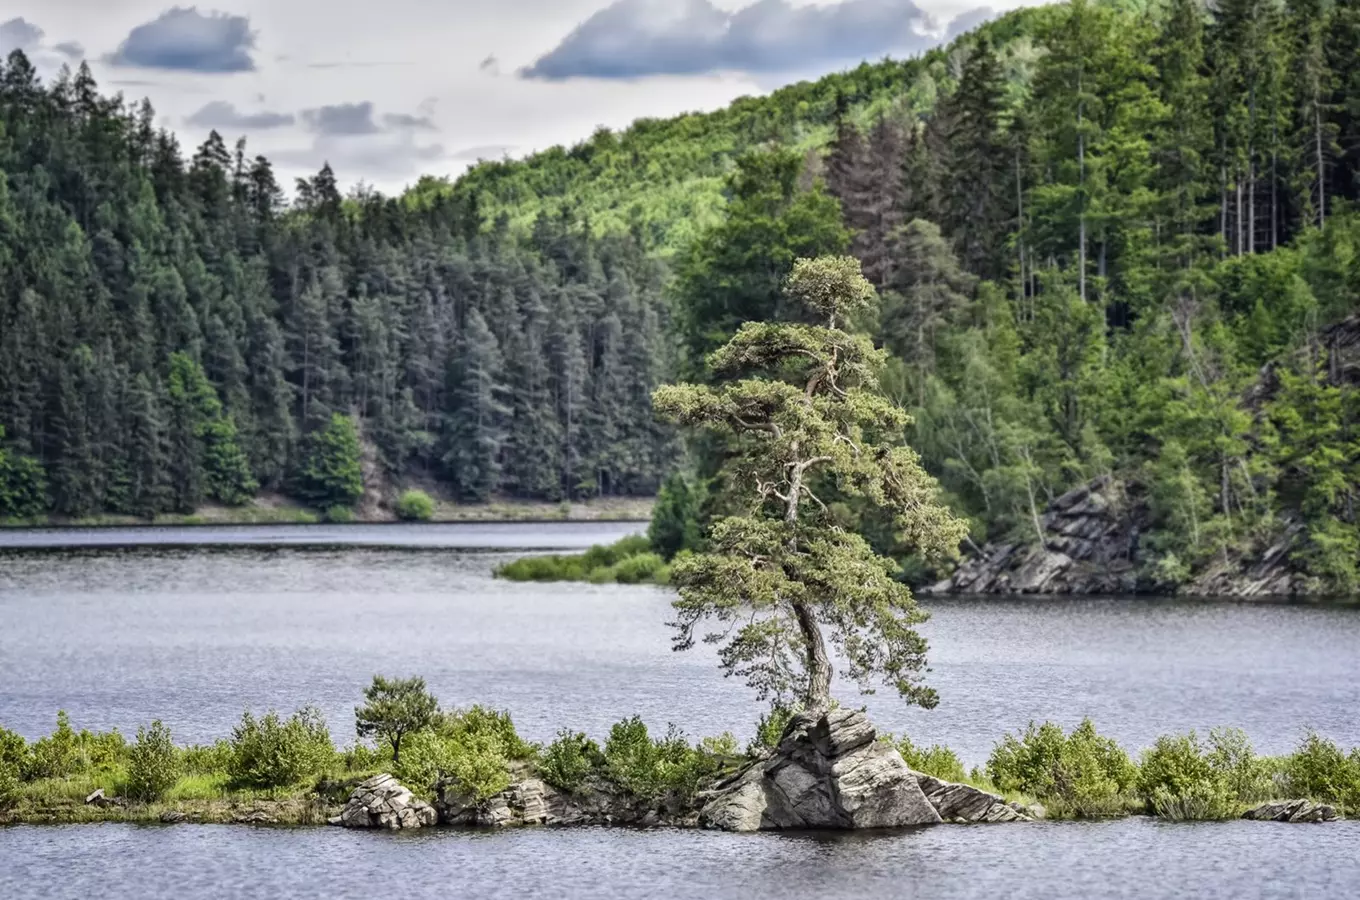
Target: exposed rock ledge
x,y
1292,811
829,771
1092,546
966,805
382,802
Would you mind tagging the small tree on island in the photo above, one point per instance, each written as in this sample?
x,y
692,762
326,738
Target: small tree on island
x,y
396,707
809,417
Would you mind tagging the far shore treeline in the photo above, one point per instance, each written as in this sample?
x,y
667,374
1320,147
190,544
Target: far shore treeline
x,y
1111,239
292,766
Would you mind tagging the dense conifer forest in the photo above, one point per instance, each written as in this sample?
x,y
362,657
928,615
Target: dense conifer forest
x,y
1112,239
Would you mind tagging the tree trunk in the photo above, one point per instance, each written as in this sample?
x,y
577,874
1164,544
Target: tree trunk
x,y
818,664
1321,166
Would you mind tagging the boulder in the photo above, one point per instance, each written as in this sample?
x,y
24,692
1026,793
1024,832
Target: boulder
x,y
1292,811
967,805
382,802
829,771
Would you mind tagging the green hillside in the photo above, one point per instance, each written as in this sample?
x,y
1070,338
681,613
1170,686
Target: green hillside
x,y
663,178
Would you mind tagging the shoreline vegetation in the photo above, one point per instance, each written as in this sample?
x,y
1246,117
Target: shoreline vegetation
x,y
276,510
288,771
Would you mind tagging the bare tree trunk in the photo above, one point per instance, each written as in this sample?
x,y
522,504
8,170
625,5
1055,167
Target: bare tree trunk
x,y
1321,166
818,696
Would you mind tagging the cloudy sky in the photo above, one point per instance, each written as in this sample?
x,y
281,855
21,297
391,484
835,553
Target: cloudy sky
x,y
389,89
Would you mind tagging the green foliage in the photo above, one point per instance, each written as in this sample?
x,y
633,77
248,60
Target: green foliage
x,y
675,525
569,760
58,754
808,412
206,759
271,753
153,765
629,561
650,769
415,506
1177,781
1320,770
331,476
1081,773
23,484
770,728
13,763
395,708
941,762
474,747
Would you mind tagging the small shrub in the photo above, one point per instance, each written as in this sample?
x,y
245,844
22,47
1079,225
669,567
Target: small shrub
x,y
1178,781
770,729
206,759
362,758
649,769
1082,774
1319,770
637,569
570,759
271,753
475,747
415,506
9,783
153,765
339,515
13,750
941,762
1249,778
56,755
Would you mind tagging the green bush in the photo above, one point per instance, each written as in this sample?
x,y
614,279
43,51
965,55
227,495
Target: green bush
x,y
1081,774
206,759
941,762
652,768
13,750
56,755
569,760
474,747
1177,780
1319,770
339,515
629,561
9,784
153,764
415,506
271,753
770,729
1250,778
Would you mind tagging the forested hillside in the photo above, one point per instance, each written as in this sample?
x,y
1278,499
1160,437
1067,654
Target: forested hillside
x,y
1086,270
1110,237
171,333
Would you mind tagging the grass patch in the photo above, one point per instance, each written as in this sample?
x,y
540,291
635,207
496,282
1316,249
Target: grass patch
x,y
629,561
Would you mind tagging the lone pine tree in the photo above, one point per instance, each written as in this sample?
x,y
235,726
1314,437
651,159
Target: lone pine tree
x,y
808,418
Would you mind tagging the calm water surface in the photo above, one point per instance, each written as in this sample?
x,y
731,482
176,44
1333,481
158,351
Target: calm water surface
x,y
193,636
1137,858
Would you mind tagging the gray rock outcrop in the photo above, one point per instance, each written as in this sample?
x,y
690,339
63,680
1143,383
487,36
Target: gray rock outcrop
x,y
829,771
1292,811
966,805
382,802
532,801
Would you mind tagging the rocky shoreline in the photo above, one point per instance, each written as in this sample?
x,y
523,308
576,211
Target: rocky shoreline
x,y
829,772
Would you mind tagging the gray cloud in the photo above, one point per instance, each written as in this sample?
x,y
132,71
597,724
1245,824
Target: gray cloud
x,y
19,34
185,40
72,50
635,38
403,120
342,120
487,151
966,22
491,65
223,115
373,156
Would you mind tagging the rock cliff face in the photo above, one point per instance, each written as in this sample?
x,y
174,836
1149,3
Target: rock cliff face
x,y
1092,546
533,801
1292,811
830,771
966,805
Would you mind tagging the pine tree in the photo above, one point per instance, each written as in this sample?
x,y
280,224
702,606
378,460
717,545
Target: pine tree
x,y
477,413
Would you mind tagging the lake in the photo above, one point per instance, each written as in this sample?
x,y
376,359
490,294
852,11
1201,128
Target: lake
x,y
124,632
